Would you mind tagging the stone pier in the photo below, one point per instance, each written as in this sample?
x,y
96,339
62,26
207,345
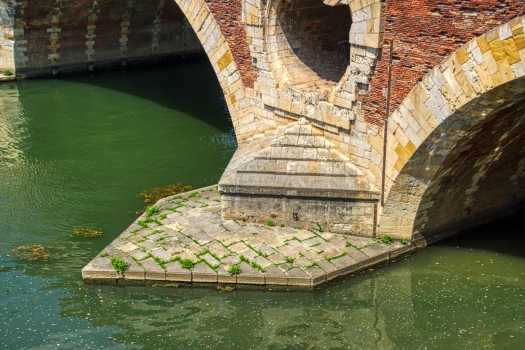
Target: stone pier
x,y
190,226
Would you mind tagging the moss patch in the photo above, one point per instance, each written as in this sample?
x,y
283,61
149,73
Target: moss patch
x,y
154,194
31,252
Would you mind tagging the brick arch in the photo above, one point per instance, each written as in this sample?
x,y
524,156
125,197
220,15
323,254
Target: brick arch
x,y
434,132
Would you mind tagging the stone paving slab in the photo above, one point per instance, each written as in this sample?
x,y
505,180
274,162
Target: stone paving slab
x,y
187,230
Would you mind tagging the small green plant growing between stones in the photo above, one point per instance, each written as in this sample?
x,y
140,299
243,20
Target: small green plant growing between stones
x,y
403,241
187,263
257,266
243,258
282,225
270,223
153,210
7,72
192,195
234,270
119,264
387,239
243,219
289,260
103,254
311,265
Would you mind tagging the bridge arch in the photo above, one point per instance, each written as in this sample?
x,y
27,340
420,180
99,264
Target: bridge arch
x,y
455,155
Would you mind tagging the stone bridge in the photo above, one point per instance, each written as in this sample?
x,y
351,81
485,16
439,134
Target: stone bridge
x,y
355,116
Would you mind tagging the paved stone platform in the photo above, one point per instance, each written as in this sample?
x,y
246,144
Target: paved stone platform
x,y
190,227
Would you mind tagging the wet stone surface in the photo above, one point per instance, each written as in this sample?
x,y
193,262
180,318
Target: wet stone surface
x,y
190,227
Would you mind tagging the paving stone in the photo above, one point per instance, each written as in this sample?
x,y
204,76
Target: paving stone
x,y
250,275
184,209
254,242
316,274
285,267
175,272
288,251
135,239
210,259
304,235
327,235
155,236
173,247
153,270
161,254
301,262
232,226
274,275
248,253
323,247
197,234
213,209
237,247
355,254
331,253
298,246
195,249
326,266
188,255
223,276
203,273
230,260
359,241
145,232
277,258
174,216
128,247
152,225
284,232
297,277
138,254
148,245
264,249
217,249
169,205
214,229
270,239
310,255
345,265
338,241
263,262
375,250
313,241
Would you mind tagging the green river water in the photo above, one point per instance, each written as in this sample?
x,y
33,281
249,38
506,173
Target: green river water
x,y
76,151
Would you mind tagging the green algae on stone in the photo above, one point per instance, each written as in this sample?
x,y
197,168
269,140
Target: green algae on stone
x,y
156,193
86,232
31,252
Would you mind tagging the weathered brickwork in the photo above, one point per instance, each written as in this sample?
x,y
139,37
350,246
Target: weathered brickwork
x,y
228,14
424,33
70,36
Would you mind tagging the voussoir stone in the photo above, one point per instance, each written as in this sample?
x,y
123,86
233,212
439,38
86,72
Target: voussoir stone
x,y
153,270
203,273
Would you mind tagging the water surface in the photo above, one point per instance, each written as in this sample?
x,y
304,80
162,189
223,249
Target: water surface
x,y
75,152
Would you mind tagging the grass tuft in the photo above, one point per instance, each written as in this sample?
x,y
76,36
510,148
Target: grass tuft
x,y
234,270
387,239
119,264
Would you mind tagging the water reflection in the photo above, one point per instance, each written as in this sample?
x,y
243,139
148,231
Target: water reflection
x,y
12,125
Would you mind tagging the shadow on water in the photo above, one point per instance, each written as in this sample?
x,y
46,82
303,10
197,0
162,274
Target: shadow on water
x,y
170,92
506,235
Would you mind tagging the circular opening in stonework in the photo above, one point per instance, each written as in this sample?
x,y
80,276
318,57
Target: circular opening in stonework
x,y
318,35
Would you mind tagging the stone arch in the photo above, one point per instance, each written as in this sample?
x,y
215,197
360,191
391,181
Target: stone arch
x,y
365,37
453,132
